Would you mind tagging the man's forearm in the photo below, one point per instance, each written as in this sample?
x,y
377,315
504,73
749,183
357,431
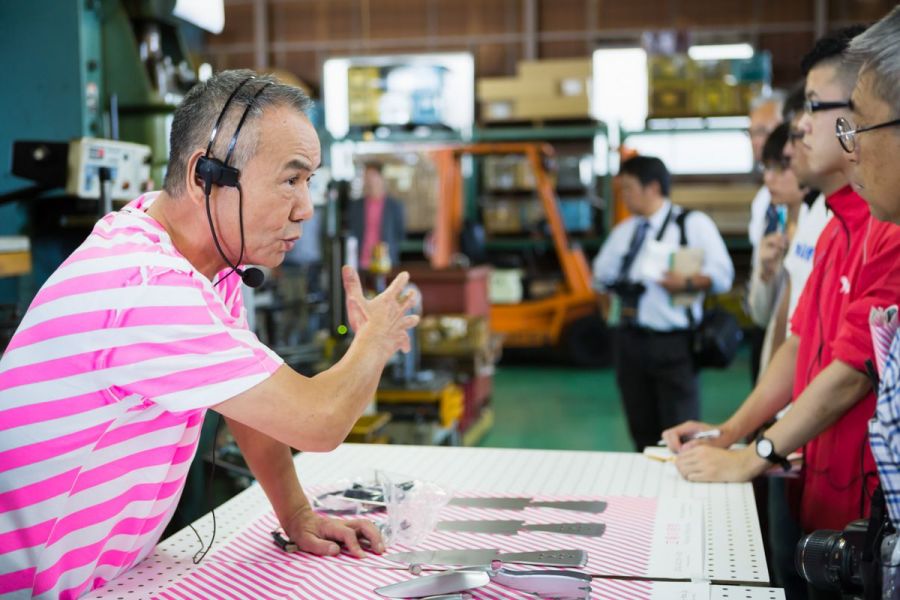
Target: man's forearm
x,y
771,394
273,466
831,394
349,386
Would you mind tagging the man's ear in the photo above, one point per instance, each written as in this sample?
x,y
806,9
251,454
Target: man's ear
x,y
193,185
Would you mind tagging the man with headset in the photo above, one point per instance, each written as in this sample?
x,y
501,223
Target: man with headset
x,y
104,387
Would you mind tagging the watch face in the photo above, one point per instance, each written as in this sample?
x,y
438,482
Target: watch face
x,y
764,448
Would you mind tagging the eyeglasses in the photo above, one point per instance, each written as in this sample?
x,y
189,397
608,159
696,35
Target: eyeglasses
x,y
846,134
811,106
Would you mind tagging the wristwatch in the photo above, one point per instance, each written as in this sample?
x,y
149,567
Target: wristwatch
x,y
766,449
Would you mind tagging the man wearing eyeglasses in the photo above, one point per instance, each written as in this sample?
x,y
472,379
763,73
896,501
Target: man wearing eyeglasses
x,y
821,367
871,137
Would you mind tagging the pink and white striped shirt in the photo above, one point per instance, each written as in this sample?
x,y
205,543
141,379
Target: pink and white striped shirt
x,y
103,390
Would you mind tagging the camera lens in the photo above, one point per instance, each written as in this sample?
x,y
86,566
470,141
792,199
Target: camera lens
x,y
818,558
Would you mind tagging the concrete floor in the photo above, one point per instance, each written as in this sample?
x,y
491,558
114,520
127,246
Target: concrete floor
x,y
573,409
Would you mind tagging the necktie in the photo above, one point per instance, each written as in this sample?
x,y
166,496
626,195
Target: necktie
x,y
637,240
771,220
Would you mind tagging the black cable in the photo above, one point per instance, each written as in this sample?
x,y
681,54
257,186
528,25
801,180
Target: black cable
x,y
25,193
201,553
234,266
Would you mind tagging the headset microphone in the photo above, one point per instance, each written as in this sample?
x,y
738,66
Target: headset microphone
x,y
252,277
213,171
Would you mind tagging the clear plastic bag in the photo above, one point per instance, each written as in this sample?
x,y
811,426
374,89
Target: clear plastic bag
x,y
413,508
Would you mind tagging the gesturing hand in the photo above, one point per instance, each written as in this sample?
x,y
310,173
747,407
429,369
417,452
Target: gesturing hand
x,y
385,314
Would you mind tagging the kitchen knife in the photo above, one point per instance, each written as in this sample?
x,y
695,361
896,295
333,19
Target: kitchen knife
x,y
485,556
512,527
591,506
451,582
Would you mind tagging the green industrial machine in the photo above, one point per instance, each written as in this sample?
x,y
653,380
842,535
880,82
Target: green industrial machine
x,y
109,69
73,69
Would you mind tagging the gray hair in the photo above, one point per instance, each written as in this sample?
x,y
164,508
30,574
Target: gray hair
x,y
196,116
877,51
774,96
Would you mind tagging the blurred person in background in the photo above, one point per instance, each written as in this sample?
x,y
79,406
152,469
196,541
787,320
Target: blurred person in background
x,y
654,365
765,116
377,218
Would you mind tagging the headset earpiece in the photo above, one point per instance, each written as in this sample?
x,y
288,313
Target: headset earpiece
x,y
212,171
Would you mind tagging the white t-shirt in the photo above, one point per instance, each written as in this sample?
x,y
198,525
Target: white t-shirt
x,y
758,209
799,259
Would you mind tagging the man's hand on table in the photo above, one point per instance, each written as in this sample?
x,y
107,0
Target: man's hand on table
x,y
324,536
705,462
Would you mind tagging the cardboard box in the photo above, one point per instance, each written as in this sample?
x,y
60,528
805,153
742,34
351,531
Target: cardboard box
x,y
574,107
512,88
503,216
453,335
555,69
674,99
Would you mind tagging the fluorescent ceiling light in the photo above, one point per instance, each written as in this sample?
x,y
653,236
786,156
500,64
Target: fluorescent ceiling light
x,y
206,14
721,51
619,87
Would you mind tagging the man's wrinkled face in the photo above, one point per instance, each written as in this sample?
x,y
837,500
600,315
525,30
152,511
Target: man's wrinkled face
x,y
275,184
874,170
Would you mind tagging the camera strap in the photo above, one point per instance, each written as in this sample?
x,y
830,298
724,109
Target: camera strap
x,y
870,559
637,240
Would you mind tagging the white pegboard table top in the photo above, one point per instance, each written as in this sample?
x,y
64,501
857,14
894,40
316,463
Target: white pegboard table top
x,y
733,548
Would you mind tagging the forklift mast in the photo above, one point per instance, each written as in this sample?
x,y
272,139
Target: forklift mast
x,y
569,319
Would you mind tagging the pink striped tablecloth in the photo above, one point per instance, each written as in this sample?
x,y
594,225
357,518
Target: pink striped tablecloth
x,y
252,566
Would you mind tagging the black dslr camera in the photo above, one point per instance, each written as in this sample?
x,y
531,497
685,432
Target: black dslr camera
x,y
854,561
629,293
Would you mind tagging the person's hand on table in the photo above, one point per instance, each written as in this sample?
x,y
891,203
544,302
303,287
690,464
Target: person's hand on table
x,y
678,439
705,462
325,536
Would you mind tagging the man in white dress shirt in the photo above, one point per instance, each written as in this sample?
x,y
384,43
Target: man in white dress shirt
x,y
654,367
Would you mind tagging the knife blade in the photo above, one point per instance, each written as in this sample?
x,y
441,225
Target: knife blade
x,y
498,503
434,585
512,527
484,556
591,506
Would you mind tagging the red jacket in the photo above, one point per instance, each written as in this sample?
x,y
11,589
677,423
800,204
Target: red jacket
x,y
856,267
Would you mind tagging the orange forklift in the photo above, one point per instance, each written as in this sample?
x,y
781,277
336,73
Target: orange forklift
x,y
569,319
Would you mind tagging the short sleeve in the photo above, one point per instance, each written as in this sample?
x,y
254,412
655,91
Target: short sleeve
x,y
608,261
703,233
201,353
878,284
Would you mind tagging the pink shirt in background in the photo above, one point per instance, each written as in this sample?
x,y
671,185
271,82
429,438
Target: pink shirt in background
x,y
103,390
374,211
